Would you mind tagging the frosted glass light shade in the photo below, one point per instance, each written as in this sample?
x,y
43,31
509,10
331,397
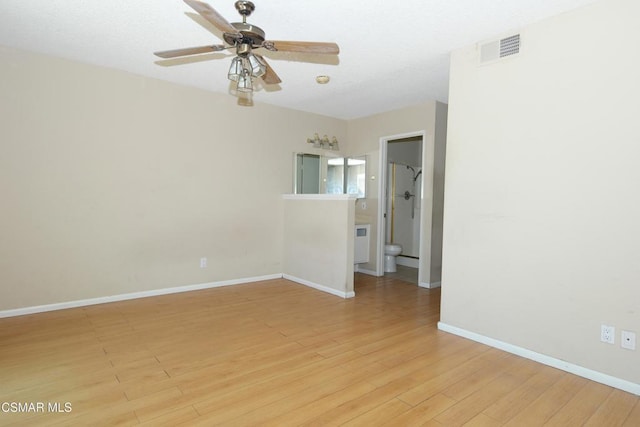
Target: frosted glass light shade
x,y
236,69
258,67
244,82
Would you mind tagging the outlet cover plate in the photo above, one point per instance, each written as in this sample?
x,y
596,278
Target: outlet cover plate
x,y
628,340
607,334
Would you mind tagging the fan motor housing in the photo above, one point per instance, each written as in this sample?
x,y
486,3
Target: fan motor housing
x,y
251,34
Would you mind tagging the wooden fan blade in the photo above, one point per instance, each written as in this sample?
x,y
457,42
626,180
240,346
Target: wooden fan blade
x,y
305,47
270,77
189,51
211,15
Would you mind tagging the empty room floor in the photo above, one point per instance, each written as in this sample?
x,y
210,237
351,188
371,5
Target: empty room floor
x,y
278,353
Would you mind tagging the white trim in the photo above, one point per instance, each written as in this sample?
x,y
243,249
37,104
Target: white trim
x,y
133,295
382,184
545,360
319,287
430,285
366,271
408,261
382,201
319,196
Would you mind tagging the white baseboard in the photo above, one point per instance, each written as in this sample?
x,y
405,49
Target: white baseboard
x,y
408,261
133,295
429,285
365,271
545,360
319,287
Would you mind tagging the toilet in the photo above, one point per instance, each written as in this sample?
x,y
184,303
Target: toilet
x,y
391,251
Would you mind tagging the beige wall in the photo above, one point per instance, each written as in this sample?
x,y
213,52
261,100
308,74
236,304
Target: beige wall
x,y
541,236
319,240
437,209
113,183
364,138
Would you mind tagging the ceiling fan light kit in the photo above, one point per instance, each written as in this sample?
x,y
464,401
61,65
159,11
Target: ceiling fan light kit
x,y
258,67
244,82
245,38
235,71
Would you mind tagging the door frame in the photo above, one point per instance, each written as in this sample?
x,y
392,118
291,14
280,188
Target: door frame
x,y
382,200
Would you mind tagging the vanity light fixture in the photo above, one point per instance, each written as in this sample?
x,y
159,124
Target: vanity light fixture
x,y
324,143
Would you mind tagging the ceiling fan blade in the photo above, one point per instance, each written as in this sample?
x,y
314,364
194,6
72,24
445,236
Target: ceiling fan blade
x,y
190,51
211,15
303,47
270,77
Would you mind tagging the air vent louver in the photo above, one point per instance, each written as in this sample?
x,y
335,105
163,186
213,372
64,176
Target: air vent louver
x,y
497,49
510,46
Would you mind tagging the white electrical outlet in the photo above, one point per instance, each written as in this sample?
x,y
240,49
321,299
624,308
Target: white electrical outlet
x,y
628,340
203,263
607,334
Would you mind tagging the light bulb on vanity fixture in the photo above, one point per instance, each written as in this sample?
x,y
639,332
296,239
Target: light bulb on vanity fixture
x,y
324,142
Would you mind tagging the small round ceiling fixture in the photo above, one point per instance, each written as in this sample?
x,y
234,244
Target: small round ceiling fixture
x,y
323,80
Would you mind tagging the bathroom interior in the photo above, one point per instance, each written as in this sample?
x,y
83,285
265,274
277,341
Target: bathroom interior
x,y
325,174
400,219
402,208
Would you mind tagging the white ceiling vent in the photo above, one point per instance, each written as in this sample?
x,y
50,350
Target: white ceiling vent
x,y
497,49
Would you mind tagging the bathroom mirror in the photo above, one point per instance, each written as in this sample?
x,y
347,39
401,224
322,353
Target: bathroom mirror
x,y
356,176
317,174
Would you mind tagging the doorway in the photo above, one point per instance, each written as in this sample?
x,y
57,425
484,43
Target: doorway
x,y
400,216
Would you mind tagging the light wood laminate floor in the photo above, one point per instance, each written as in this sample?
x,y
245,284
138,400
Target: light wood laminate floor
x,y
404,273
278,353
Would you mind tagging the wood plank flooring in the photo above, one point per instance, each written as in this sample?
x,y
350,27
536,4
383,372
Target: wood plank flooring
x,y
276,353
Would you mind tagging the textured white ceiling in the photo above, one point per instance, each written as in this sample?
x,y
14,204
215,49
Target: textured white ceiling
x,y
393,53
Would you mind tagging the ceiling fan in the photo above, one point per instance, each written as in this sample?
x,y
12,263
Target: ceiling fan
x,y
245,38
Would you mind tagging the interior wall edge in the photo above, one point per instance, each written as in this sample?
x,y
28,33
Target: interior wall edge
x,y
367,271
430,285
319,287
